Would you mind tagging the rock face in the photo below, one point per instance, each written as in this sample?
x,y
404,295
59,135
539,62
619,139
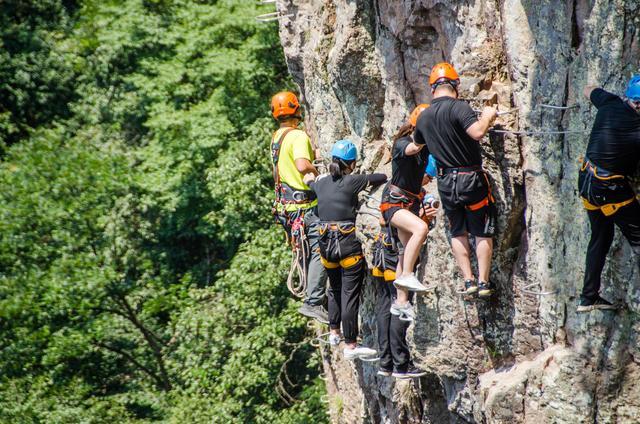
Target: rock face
x,y
362,65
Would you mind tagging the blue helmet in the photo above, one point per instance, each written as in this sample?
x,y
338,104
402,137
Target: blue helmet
x,y
345,150
431,169
633,88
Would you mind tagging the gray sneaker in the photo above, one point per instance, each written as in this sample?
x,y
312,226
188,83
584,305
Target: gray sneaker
x,y
403,312
316,312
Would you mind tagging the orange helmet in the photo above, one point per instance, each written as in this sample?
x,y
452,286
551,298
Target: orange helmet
x,y
443,72
413,118
285,103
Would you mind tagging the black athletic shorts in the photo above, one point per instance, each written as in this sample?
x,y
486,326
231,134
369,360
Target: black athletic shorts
x,y
461,193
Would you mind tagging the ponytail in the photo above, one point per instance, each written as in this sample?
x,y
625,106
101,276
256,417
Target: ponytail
x,y
404,131
334,169
338,167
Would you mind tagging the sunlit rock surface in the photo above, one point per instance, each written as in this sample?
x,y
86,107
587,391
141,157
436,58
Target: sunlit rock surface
x,y
519,358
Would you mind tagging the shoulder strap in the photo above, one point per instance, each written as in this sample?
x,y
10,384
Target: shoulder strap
x,y
275,153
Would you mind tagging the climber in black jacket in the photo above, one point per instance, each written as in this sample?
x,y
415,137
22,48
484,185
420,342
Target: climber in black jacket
x,y
613,154
340,251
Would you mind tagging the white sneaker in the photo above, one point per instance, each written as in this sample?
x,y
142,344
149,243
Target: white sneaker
x,y
358,353
334,339
409,282
403,312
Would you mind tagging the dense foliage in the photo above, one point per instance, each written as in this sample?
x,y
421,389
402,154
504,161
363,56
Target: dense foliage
x,y
140,276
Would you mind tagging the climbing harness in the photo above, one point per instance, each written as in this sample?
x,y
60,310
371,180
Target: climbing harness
x,y
400,198
334,231
382,243
593,171
486,201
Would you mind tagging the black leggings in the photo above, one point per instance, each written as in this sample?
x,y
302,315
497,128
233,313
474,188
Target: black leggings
x,y
392,332
606,188
627,219
342,257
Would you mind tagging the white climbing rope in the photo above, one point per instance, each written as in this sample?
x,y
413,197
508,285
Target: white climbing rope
x,y
299,265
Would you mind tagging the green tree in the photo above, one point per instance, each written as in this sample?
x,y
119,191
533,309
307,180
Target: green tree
x,y
140,276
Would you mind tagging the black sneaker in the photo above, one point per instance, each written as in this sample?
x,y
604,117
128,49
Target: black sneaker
x,y
587,305
316,312
385,372
470,287
485,289
411,372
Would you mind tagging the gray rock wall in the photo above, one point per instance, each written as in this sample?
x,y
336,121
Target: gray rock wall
x,y
362,65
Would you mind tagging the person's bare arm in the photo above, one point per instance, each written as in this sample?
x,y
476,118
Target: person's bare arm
x,y
587,90
413,149
480,128
304,166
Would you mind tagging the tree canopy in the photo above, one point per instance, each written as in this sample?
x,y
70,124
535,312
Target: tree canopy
x,y
141,278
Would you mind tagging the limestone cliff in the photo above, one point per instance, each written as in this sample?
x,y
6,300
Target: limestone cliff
x,y
362,65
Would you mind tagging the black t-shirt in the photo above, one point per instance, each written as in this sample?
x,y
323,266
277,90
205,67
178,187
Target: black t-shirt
x,y
614,144
442,127
407,171
338,198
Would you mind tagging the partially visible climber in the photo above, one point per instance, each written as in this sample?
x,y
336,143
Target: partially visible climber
x,y
400,207
295,204
395,357
340,249
613,155
452,133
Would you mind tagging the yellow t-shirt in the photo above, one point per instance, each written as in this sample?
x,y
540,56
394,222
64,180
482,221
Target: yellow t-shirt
x,y
296,145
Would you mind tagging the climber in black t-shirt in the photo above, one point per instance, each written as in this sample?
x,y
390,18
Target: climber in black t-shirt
x,y
452,131
400,207
340,249
613,154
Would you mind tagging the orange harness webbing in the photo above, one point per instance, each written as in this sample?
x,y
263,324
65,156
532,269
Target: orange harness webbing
x,y
484,202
